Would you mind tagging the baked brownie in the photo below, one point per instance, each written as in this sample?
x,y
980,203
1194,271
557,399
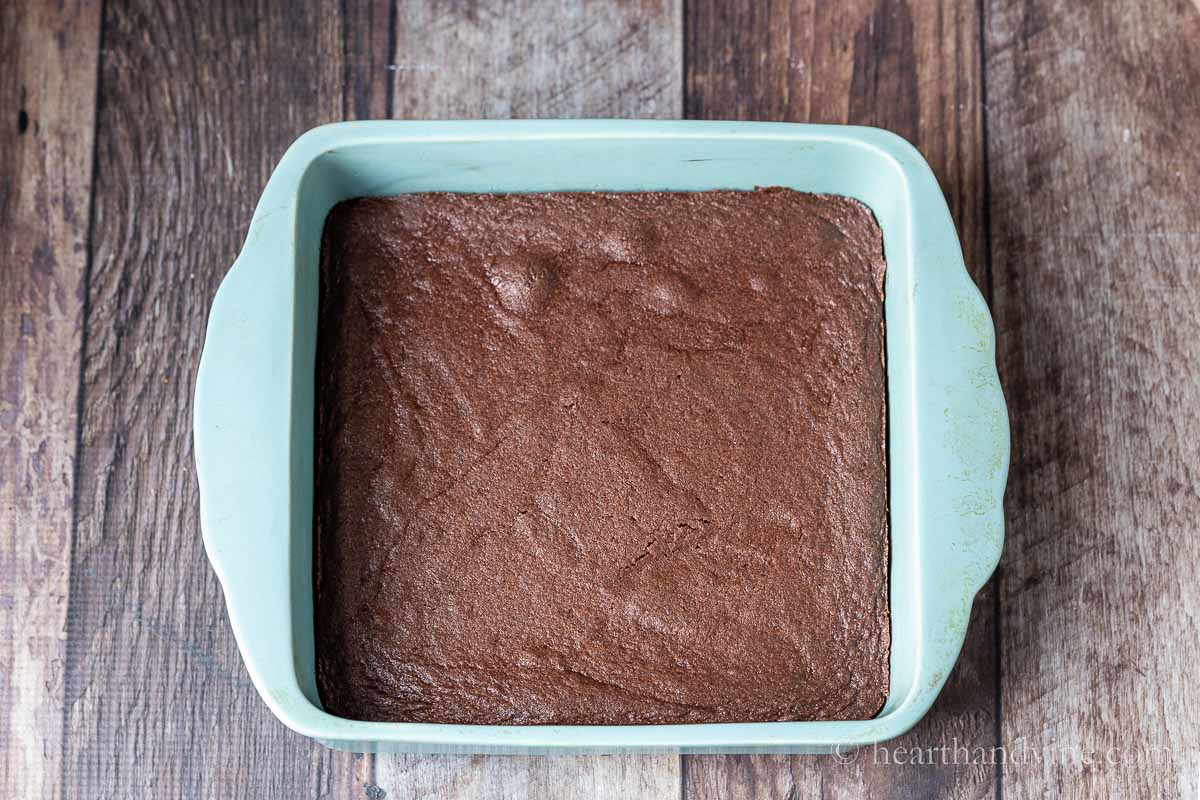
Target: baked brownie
x,y
602,458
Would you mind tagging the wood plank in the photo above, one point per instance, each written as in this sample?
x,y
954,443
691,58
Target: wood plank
x,y
506,777
1095,152
48,60
914,69
368,28
496,59
529,59
197,103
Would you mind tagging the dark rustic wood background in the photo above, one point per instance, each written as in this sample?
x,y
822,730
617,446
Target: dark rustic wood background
x,y
136,135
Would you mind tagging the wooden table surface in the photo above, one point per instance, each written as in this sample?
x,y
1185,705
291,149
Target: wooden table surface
x,y
136,135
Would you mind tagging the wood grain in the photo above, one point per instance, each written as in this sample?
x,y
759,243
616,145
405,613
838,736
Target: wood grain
x,y
1095,153
914,68
540,777
47,103
519,58
524,58
197,102
368,39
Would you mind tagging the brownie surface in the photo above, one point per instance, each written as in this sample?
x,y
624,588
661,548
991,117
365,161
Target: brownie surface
x,y
601,458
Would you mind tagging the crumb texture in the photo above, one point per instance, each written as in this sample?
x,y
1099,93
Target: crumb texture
x,y
602,458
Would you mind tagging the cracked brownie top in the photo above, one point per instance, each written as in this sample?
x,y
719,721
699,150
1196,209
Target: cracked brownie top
x,y
601,458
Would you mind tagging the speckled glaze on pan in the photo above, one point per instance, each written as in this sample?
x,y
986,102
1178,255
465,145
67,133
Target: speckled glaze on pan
x,y
948,427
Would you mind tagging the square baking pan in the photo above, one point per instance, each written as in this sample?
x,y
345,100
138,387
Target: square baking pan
x,y
948,439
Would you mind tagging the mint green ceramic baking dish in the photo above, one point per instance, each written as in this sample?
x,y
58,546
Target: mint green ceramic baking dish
x,y
948,428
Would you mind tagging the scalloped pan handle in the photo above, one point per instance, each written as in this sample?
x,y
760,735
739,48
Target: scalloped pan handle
x,y
244,457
